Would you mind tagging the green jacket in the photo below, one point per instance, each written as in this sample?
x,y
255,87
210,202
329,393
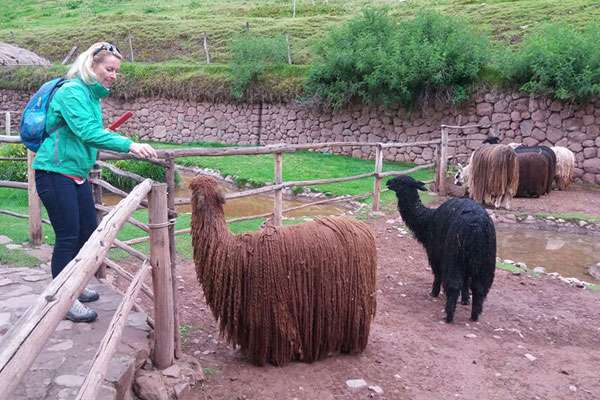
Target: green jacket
x,y
71,149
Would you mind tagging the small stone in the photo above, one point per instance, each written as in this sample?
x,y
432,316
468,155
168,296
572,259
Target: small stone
x,y
376,389
181,389
5,282
530,357
173,371
397,376
356,383
470,336
496,337
539,270
572,388
12,246
5,239
35,278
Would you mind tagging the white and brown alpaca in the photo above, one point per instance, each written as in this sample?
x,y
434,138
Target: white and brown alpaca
x,y
285,293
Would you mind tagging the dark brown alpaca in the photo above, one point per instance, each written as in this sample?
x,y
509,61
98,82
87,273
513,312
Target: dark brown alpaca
x,y
285,293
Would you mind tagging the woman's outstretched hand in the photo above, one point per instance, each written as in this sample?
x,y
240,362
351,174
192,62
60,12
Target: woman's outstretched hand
x,y
143,150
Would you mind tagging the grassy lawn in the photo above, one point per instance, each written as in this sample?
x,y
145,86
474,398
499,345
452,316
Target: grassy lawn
x,y
173,30
253,170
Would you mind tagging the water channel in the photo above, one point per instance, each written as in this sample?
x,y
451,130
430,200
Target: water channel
x,y
568,254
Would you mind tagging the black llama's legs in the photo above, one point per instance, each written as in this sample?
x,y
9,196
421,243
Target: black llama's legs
x,y
477,307
437,284
451,299
464,298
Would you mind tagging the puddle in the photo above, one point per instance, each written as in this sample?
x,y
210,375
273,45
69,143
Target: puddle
x,y
246,206
568,254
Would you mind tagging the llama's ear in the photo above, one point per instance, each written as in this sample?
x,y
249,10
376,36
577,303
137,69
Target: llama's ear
x,y
221,197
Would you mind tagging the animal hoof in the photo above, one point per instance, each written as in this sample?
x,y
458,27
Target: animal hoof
x,y
465,302
433,294
474,319
449,320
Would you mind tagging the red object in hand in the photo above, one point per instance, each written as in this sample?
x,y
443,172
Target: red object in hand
x,y
120,120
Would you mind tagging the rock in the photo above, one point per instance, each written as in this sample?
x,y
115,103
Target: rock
x,y
5,239
530,357
572,388
149,385
376,389
539,270
181,389
356,383
173,371
470,336
594,271
5,282
12,246
36,278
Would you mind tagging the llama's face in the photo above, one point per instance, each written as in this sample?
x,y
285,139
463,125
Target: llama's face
x,y
206,193
404,184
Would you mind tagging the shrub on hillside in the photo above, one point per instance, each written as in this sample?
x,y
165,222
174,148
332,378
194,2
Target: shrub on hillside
x,y
143,168
251,56
558,61
15,171
380,61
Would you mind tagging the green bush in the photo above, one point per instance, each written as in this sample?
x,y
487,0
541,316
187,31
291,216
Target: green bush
x,y
15,171
379,61
251,56
558,61
145,169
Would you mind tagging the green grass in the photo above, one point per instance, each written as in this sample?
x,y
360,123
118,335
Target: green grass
x,y
508,267
17,258
257,170
173,30
254,170
570,216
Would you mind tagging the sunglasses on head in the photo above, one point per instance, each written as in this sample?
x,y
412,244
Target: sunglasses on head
x,y
110,48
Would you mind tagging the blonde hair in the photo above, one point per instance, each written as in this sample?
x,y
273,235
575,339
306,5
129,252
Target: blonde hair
x,y
82,67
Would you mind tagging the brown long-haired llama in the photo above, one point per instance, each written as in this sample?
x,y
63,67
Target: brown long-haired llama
x,y
494,175
285,293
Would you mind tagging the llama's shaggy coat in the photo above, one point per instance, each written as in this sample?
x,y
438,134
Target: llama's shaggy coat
x,y
565,167
460,240
533,174
285,293
551,162
493,175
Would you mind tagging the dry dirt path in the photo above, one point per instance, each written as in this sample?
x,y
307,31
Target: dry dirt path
x,y
538,338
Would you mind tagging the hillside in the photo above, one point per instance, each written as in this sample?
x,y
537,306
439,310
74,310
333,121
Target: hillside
x,y
162,31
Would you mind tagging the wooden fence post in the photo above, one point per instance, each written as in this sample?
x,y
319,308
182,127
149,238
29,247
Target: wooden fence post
x,y
293,8
377,182
7,123
69,55
205,40
278,198
289,51
162,285
171,188
130,46
35,208
443,163
96,174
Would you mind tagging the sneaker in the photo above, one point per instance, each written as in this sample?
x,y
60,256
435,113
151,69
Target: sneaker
x,y
88,295
80,313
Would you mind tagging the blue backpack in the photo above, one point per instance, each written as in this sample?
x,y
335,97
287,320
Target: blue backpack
x,y
33,120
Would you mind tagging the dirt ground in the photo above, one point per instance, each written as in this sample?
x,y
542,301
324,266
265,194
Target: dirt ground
x,y
537,338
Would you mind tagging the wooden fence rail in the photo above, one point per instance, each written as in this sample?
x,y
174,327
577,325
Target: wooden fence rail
x,y
25,340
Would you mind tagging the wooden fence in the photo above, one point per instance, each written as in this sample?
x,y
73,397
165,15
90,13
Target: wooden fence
x,y
27,338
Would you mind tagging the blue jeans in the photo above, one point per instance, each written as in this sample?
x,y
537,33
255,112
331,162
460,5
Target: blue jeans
x,y
72,214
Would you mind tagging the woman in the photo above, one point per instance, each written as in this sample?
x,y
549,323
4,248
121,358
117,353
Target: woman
x,y
64,160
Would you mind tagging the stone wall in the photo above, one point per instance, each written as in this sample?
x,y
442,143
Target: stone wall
x,y
513,117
